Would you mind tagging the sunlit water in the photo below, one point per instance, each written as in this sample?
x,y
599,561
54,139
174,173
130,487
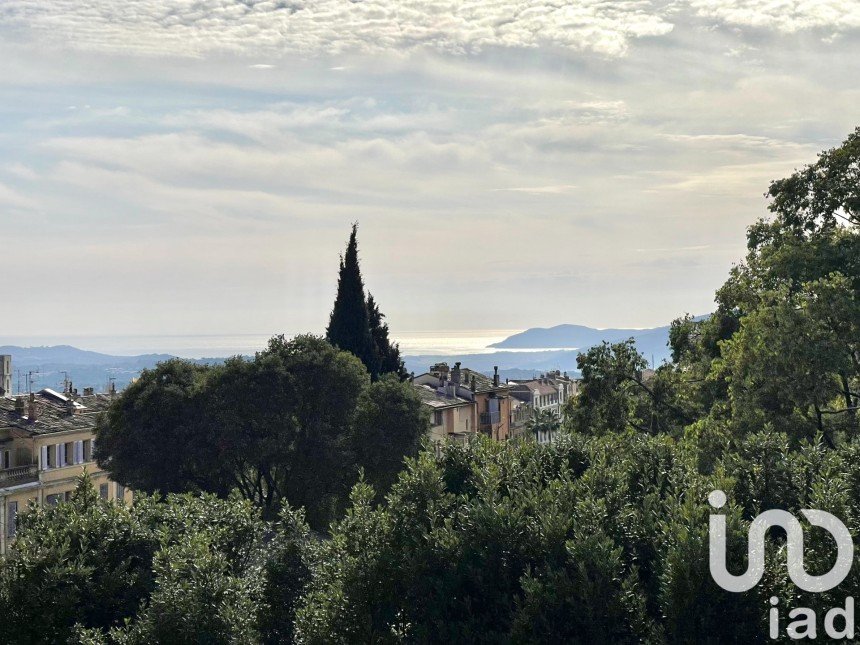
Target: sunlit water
x,y
442,343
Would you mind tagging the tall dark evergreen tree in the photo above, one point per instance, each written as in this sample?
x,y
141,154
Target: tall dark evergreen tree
x,y
388,359
356,325
349,327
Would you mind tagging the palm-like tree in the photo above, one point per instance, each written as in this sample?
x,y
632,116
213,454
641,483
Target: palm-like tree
x,y
543,422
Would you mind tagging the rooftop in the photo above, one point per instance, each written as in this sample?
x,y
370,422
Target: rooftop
x,y
55,412
483,383
542,386
434,399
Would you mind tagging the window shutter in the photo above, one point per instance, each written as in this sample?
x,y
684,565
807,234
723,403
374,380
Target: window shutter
x,y
61,454
79,452
43,457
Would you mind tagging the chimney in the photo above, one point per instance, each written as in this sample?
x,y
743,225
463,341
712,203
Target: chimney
x,y
31,412
455,373
473,385
439,369
495,376
19,406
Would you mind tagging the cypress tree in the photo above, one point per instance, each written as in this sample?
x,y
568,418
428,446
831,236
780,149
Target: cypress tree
x,y
387,353
349,327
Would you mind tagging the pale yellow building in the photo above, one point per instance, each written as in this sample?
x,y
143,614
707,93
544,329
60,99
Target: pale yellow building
x,y
46,442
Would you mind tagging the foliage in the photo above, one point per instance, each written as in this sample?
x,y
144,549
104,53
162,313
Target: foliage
x,y
349,324
390,423
148,437
542,423
591,539
783,348
292,426
356,324
282,425
165,567
387,354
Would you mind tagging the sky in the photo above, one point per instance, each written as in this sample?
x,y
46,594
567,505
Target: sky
x,y
193,167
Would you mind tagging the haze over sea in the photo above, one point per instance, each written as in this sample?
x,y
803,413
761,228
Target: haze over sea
x,y
446,343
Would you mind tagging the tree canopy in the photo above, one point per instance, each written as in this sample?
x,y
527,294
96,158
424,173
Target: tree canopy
x,y
782,350
294,425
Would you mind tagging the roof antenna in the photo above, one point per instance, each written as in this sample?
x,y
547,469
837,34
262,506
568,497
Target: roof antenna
x,y
30,380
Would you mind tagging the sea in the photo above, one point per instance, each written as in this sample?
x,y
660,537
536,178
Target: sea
x,y
435,342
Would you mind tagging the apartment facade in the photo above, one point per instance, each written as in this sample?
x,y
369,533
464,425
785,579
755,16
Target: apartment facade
x,y
46,442
463,402
548,393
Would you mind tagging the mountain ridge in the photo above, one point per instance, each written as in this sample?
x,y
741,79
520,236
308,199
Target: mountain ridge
x,y
653,342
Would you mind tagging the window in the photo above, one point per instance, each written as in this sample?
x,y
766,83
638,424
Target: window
x,y
69,453
79,452
46,457
7,459
11,519
437,417
120,492
53,500
88,450
103,491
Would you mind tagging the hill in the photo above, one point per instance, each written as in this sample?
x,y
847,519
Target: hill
x,y
84,368
653,342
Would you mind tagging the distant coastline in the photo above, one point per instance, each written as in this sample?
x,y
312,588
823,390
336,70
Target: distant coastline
x,y
98,361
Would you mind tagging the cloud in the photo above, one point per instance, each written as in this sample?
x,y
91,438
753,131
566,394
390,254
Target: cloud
x,y
19,170
787,16
9,197
196,28
541,190
508,155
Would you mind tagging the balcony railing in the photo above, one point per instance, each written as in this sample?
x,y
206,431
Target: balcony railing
x,y
19,475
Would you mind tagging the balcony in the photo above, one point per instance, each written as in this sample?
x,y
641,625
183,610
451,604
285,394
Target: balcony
x,y
19,475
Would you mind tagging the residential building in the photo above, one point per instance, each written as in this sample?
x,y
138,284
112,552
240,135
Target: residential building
x,y
463,402
478,402
521,412
549,393
451,416
46,442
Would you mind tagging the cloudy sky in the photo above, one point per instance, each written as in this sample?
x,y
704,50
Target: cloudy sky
x,y
193,167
